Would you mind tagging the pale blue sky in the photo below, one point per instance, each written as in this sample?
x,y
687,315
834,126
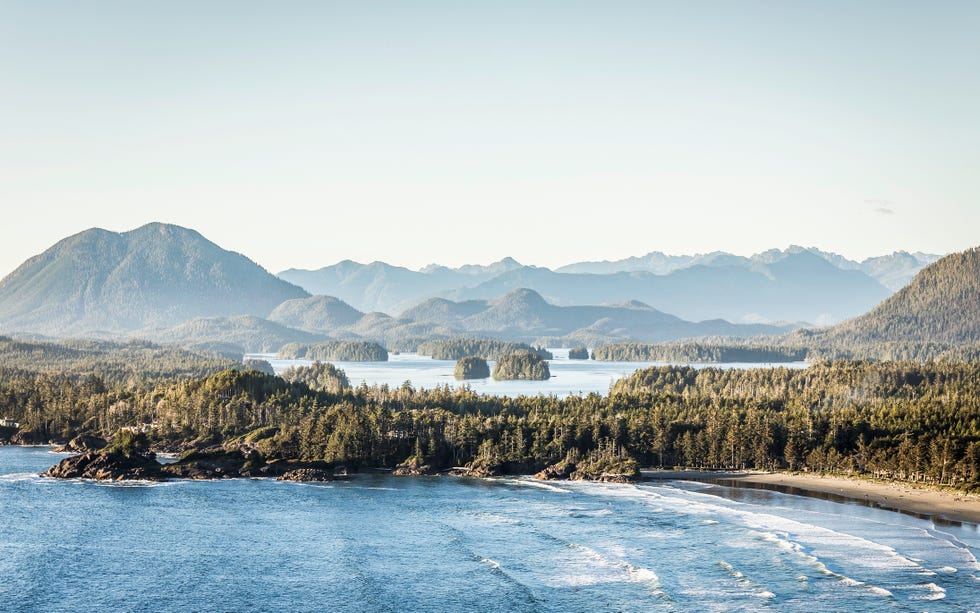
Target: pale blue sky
x,y
303,133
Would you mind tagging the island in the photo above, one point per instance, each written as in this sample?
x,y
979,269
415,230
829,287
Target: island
x,y
471,367
521,365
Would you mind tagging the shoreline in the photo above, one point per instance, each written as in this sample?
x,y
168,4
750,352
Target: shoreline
x,y
925,502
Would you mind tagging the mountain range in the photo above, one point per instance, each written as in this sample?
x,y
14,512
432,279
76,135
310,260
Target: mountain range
x,y
893,271
519,315
171,285
795,284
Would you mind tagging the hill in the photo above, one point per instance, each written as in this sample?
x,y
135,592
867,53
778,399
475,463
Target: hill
x,y
940,305
316,314
248,333
524,315
155,275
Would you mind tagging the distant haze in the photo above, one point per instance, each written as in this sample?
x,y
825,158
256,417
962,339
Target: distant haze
x,y
304,133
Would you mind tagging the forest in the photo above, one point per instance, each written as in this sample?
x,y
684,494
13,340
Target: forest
x,y
486,348
340,351
894,420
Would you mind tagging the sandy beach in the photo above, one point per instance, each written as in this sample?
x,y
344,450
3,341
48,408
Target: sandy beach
x,y
904,497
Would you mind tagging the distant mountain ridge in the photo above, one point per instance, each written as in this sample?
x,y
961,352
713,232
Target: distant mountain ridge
x,y
155,275
893,271
796,284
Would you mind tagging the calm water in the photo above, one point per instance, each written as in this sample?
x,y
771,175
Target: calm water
x,y
380,543
567,376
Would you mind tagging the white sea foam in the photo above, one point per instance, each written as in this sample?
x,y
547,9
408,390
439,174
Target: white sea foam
x,y
933,592
14,477
531,482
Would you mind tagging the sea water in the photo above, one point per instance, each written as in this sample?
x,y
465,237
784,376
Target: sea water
x,y
383,543
567,376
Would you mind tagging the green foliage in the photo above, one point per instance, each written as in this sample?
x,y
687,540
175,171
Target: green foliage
x,y
262,366
486,348
129,443
134,363
337,351
897,420
524,365
696,352
578,353
472,367
321,376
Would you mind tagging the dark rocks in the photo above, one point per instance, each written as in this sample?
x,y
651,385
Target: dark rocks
x,y
83,443
107,466
561,470
33,437
618,471
307,475
413,467
214,463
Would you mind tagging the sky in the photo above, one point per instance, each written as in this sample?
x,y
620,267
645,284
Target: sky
x,y
304,133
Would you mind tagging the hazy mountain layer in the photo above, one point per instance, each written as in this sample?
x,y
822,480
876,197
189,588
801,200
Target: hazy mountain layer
x,y
795,285
383,287
156,275
248,333
523,315
799,287
893,271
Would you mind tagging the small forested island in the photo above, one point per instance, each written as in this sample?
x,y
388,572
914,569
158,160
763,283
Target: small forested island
x,y
471,367
521,365
486,348
578,353
338,351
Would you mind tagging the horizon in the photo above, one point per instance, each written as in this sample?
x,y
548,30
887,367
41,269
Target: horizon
x,y
550,132
784,249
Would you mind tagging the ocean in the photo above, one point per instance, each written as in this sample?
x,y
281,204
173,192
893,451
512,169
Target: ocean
x,y
383,543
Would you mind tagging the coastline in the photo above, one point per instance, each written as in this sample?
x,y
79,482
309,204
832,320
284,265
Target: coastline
x,y
923,501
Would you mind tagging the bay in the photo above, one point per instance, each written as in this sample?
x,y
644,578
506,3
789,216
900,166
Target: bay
x,y
382,543
568,377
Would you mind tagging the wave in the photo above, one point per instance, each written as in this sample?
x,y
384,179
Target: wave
x,y
532,482
15,477
934,592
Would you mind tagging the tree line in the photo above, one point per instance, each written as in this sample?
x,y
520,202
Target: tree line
x,y
903,420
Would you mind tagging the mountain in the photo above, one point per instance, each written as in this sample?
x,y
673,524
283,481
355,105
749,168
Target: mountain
x,y
800,286
795,284
524,315
940,305
156,275
382,287
489,270
316,314
246,333
896,270
893,271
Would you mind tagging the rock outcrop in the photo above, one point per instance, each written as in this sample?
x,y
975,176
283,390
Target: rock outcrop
x,y
414,466
108,466
307,475
83,443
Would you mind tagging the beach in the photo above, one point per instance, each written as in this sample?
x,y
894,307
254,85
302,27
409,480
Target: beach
x,y
920,500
